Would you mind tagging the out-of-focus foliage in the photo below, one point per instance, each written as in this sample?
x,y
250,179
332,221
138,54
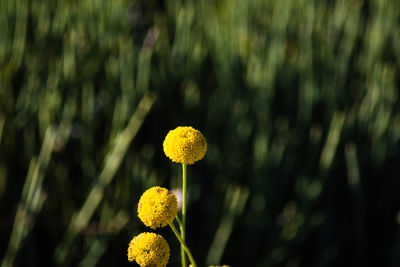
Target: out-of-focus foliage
x,y
298,101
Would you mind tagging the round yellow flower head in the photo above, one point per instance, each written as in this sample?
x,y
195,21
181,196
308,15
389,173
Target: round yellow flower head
x,y
149,249
185,145
157,207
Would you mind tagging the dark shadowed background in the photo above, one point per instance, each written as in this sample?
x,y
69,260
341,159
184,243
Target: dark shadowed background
x,y
298,101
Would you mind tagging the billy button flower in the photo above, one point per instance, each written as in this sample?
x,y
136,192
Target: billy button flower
x,y
149,249
185,145
157,207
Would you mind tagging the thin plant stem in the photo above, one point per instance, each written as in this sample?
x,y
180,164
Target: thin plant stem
x,y
183,223
178,220
183,245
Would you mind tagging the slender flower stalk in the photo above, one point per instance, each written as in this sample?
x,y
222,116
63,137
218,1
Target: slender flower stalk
x,y
178,221
183,224
183,245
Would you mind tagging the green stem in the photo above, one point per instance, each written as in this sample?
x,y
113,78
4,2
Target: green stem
x,y
183,245
183,224
178,220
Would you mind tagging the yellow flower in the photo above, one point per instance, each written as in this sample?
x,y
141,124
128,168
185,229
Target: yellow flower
x,y
149,249
185,145
157,207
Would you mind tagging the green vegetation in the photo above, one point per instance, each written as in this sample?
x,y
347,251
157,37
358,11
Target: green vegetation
x,y
298,101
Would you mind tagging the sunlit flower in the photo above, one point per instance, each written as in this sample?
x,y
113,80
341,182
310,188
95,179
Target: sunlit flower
x,y
185,145
149,249
157,207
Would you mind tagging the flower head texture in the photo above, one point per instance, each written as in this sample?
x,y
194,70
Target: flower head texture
x,y
157,207
149,249
185,145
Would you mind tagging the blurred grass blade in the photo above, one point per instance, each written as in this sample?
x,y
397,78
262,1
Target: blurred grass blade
x,y
353,178
111,164
235,200
2,122
32,198
99,245
332,140
22,8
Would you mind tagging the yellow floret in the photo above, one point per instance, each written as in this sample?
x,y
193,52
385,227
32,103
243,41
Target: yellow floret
x,y
185,145
157,207
149,249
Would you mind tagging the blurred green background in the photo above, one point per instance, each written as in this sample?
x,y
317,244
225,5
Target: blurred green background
x,y
298,101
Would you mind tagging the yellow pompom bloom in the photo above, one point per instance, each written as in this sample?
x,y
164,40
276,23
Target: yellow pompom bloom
x,y
157,207
149,249
185,145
